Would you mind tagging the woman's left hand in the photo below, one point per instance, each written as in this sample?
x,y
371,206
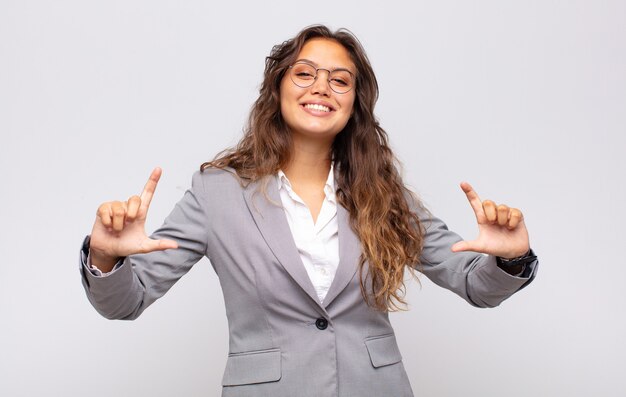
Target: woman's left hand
x,y
501,229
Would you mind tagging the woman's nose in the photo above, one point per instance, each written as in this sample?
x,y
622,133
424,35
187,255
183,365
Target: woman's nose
x,y
321,84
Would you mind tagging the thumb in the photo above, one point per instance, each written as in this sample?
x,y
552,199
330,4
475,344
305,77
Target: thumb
x,y
151,245
462,246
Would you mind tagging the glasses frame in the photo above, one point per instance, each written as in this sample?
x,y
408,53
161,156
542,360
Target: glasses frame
x,y
317,73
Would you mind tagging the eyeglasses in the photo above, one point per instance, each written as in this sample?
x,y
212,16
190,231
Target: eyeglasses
x,y
304,75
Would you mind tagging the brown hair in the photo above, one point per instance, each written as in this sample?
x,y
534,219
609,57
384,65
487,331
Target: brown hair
x,y
367,180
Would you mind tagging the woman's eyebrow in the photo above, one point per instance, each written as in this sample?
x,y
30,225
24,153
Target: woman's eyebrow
x,y
306,61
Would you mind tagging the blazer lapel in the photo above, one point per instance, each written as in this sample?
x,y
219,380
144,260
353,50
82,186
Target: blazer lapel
x,y
349,254
272,223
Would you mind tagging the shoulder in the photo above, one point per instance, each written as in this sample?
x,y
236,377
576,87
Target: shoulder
x,y
415,204
224,183
217,176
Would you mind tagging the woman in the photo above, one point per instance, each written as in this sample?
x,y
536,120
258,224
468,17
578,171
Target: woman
x,y
310,229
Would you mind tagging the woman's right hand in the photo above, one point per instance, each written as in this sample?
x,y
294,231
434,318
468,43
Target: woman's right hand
x,y
119,229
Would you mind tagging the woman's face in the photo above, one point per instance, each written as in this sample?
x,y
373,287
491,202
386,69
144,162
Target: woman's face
x,y
317,111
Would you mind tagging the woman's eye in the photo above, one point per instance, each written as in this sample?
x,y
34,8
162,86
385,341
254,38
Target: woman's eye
x,y
340,82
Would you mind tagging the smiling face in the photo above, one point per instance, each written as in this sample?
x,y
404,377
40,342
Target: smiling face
x,y
317,112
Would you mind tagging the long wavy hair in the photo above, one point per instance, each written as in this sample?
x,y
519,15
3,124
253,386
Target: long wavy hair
x,y
368,183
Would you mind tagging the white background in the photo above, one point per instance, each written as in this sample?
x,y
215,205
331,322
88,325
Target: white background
x,y
526,100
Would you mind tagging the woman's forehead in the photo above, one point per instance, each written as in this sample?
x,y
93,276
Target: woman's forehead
x,y
325,53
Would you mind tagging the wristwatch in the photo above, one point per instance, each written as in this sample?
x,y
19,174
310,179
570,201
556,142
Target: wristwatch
x,y
85,247
517,266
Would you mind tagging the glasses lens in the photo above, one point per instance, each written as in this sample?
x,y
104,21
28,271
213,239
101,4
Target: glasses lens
x,y
341,81
302,74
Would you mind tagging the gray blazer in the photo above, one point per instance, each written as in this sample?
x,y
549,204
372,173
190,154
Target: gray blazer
x,y
283,341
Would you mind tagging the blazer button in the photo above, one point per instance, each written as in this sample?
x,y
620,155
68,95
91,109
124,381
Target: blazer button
x,y
321,323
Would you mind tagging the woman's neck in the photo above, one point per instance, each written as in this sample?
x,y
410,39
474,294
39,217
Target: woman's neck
x,y
309,164
307,173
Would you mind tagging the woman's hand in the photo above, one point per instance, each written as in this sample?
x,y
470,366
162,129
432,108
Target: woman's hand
x,y
119,228
501,230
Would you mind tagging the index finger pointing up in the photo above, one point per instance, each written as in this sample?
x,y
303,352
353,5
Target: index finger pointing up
x,y
474,201
148,190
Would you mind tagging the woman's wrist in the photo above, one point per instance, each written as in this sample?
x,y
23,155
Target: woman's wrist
x,y
516,265
102,262
515,257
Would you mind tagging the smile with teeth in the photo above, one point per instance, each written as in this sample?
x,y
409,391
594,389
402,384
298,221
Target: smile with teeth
x,y
314,106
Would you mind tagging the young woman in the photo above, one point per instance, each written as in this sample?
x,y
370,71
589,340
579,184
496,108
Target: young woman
x,y
310,230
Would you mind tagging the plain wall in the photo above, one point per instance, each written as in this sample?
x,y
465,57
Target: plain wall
x,y
526,100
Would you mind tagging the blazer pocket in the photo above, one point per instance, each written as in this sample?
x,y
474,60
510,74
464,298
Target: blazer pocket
x,y
383,350
259,366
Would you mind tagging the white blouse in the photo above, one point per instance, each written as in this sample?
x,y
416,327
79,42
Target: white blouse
x,y
317,242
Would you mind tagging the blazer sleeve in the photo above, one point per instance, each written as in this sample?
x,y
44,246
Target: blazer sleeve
x,y
473,276
141,279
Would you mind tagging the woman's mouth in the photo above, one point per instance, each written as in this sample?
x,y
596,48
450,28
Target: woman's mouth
x,y
317,107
